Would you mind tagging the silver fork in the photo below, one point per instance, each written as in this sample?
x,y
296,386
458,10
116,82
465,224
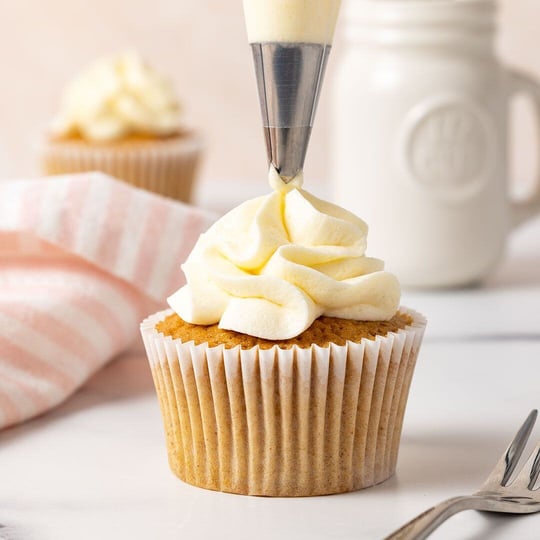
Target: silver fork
x,y
495,495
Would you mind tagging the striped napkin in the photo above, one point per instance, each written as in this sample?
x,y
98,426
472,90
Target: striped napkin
x,y
83,258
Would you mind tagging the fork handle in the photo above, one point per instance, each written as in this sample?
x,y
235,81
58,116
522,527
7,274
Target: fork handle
x,y
424,524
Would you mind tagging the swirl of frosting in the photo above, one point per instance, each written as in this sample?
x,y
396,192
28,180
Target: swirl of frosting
x,y
274,264
115,98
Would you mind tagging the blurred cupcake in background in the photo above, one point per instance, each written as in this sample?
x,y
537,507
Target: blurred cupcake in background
x,y
121,117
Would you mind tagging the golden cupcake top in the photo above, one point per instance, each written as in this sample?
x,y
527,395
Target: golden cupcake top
x,y
323,332
116,98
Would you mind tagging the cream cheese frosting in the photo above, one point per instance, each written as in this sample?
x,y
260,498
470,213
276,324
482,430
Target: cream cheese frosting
x,y
115,98
306,21
274,264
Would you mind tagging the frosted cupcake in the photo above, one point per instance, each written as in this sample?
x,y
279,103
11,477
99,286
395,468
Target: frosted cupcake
x,y
284,366
122,118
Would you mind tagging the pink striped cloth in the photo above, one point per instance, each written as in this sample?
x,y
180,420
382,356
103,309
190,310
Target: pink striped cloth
x,y
83,258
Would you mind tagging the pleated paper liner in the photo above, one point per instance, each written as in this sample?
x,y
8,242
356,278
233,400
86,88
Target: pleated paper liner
x,y
284,422
165,166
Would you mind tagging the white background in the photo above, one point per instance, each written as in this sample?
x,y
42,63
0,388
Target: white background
x,y
202,46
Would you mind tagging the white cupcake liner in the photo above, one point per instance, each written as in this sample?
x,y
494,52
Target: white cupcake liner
x,y
164,166
283,422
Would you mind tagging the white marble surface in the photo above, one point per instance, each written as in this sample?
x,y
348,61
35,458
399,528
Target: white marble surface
x,y
96,467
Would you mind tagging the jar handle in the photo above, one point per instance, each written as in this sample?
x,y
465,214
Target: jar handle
x,y
519,83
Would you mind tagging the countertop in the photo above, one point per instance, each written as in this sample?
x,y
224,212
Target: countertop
x,y
96,466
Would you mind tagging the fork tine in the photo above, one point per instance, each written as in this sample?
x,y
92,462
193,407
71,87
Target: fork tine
x,y
530,471
509,460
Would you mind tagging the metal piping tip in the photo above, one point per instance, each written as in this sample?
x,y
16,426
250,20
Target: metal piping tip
x,y
289,79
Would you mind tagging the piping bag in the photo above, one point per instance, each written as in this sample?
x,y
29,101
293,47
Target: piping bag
x,y
290,41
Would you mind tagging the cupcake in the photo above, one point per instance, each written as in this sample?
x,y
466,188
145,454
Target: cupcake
x,y
284,365
122,118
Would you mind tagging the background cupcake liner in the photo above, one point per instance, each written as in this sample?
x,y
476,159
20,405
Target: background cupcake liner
x,y
278,422
165,166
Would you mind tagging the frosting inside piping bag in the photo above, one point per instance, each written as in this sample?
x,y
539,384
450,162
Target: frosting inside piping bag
x,y
300,21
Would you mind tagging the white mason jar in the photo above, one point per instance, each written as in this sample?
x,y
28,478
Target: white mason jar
x,y
419,137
